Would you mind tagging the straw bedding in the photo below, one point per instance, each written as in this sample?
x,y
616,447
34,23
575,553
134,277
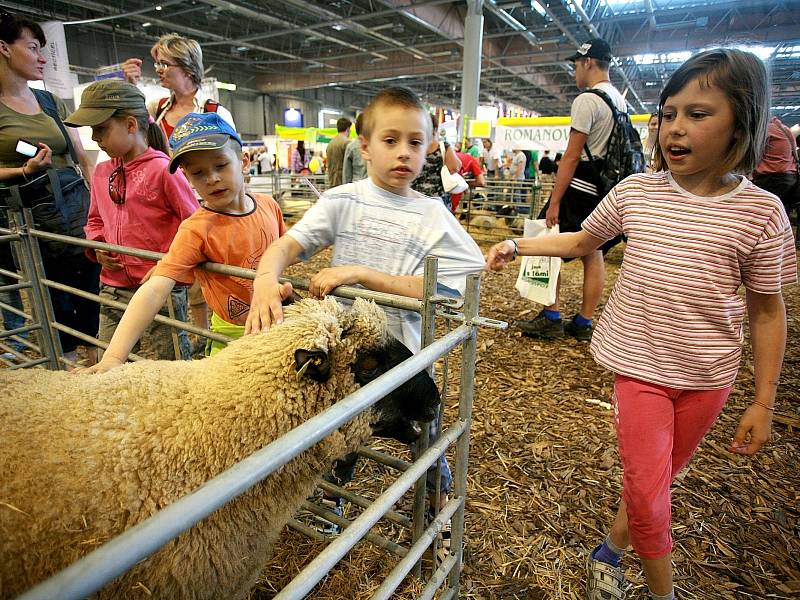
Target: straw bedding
x,y
544,478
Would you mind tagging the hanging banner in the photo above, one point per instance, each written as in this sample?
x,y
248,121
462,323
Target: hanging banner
x,y
57,77
544,133
530,138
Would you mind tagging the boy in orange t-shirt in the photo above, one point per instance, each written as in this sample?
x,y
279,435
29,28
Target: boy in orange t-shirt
x,y
231,227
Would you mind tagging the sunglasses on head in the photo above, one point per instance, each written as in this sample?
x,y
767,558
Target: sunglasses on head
x,y
116,185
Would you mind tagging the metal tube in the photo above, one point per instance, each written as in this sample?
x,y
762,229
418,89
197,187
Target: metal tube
x,y
322,564
14,286
335,490
384,459
12,274
428,331
446,569
27,343
114,558
374,538
15,310
307,531
395,578
30,363
122,306
9,332
467,395
344,291
448,594
33,270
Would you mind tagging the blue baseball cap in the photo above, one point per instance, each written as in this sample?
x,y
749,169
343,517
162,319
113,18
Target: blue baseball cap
x,y
199,131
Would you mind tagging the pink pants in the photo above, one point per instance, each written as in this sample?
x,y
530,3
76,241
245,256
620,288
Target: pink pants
x,y
658,429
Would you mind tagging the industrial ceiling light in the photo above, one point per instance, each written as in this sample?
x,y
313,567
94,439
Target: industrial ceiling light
x,y
146,24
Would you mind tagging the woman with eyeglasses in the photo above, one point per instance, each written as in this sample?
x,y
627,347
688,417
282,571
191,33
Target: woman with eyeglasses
x,y
179,67
37,153
136,202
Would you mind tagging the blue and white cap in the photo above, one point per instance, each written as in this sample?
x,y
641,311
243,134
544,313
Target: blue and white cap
x,y
199,131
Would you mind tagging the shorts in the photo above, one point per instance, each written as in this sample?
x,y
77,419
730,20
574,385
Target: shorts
x,y
580,199
156,342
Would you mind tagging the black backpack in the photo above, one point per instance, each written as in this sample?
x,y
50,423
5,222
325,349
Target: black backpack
x,y
624,153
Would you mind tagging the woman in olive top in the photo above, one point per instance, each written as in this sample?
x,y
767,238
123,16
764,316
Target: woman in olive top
x,y
21,116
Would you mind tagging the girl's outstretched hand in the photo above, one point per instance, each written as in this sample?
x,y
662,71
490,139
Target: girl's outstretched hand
x,y
753,431
106,364
500,255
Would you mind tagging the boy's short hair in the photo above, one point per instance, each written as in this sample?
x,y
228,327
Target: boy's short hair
x,y
393,96
185,52
200,131
742,77
343,124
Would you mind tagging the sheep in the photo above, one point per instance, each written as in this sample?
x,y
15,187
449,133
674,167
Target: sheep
x,y
85,457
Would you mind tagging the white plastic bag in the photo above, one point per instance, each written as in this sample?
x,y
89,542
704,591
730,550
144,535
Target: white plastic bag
x,y
452,182
538,275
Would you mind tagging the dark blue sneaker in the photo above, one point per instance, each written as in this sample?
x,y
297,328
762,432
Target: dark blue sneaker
x,y
541,327
579,332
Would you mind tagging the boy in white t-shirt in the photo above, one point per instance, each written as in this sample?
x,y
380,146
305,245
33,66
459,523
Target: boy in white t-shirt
x,y
381,231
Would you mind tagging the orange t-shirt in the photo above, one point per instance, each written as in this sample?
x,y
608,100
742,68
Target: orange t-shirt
x,y
236,240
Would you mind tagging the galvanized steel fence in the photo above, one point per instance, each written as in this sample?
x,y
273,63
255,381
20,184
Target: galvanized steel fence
x,y
104,564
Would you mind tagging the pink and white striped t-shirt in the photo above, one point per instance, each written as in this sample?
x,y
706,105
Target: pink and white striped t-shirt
x,y
674,317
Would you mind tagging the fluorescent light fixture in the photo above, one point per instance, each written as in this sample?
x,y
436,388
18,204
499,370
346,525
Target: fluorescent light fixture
x,y
538,8
158,7
146,24
339,26
221,85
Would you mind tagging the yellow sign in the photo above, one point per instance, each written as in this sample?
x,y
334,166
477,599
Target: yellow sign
x,y
307,134
480,129
552,121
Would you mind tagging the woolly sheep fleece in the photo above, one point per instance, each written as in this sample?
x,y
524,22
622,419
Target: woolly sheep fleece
x,y
85,457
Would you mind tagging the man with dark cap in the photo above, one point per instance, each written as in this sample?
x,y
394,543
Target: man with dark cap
x,y
577,190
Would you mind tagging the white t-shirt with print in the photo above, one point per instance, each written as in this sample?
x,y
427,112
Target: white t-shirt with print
x,y
393,234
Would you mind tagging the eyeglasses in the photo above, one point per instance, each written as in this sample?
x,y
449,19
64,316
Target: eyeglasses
x,y
163,66
116,185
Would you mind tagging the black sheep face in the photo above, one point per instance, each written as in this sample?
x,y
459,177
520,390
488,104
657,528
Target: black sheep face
x,y
399,411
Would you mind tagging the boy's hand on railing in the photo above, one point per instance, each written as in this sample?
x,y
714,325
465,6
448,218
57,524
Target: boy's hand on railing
x,y
326,280
266,308
108,363
499,256
109,260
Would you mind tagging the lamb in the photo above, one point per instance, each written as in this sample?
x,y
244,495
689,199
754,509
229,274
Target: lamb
x,y
85,457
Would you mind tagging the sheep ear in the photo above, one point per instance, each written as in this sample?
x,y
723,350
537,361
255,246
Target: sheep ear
x,y
313,364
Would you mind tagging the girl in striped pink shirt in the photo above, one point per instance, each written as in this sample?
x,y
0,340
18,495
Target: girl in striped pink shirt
x,y
672,329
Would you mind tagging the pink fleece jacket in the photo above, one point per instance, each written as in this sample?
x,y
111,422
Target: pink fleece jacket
x,y
155,204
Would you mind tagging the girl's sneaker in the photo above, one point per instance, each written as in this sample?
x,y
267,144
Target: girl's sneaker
x,y
604,582
336,506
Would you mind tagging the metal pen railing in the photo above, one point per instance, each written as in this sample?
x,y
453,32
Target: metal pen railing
x,y
104,564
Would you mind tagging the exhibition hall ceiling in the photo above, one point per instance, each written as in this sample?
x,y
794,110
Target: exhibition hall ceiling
x,y
284,46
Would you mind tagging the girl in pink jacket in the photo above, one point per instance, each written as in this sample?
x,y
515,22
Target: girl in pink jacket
x,y
135,202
